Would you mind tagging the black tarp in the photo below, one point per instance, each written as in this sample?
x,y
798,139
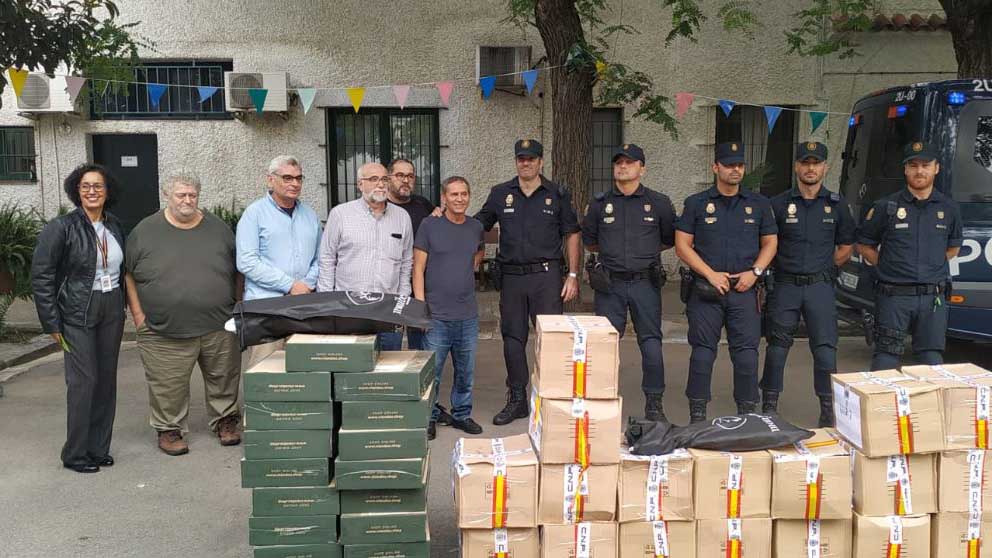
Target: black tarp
x,y
750,432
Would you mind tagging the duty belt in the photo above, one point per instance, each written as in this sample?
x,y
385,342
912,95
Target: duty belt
x,y
629,275
893,289
800,280
527,269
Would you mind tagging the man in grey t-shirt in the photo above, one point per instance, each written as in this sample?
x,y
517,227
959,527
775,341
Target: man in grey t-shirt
x,y
446,253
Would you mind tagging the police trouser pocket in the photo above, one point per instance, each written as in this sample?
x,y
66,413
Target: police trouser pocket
x,y
889,340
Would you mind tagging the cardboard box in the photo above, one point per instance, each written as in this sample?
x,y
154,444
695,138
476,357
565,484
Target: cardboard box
x,y
966,393
420,549
962,478
479,501
372,528
385,415
743,538
292,529
287,444
902,536
570,494
268,381
732,484
307,352
895,485
887,413
358,445
592,539
299,551
650,539
306,500
956,534
311,471
812,480
398,375
576,430
382,474
576,356
518,543
384,501
289,415
656,487
799,538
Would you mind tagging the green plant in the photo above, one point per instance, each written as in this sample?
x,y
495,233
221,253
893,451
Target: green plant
x,y
19,230
231,215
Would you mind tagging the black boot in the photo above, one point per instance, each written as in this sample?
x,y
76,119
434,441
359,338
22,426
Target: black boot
x,y
769,402
697,410
516,407
745,407
654,407
826,411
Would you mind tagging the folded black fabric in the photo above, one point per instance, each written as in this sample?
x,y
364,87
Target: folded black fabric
x,y
750,432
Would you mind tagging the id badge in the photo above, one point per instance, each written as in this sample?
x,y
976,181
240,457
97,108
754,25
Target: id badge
x,y
105,284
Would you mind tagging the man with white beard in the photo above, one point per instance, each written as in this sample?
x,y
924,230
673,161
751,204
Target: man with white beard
x,y
368,245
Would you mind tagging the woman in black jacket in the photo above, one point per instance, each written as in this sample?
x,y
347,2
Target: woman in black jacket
x,y
78,279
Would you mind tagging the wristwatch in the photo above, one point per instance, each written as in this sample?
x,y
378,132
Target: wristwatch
x,y
757,271
573,275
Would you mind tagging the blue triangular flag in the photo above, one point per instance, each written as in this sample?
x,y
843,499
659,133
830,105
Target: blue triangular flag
x,y
155,92
771,114
727,107
530,78
306,98
258,98
487,83
206,92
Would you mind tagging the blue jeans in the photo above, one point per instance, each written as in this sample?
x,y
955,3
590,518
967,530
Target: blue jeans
x,y
392,341
460,338
415,339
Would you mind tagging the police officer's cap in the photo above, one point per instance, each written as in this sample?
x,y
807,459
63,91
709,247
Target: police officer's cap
x,y
811,150
730,153
631,151
919,150
528,148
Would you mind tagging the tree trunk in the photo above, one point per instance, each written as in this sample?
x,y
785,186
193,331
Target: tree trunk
x,y
970,25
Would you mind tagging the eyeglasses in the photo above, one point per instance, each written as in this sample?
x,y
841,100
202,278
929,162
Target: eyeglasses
x,y
376,179
84,187
290,177
402,176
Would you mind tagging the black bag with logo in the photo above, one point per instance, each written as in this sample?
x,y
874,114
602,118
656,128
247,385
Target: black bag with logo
x,y
750,432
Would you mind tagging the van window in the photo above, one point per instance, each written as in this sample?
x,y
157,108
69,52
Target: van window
x,y
972,172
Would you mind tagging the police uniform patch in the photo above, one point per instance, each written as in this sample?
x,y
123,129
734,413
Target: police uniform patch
x,y
525,144
547,201
647,208
917,147
710,220
940,214
792,209
901,213
609,208
710,208
747,209
608,219
626,146
826,209
811,146
509,199
733,147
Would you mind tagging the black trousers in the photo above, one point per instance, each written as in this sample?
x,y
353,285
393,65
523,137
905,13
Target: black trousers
x,y
91,378
521,299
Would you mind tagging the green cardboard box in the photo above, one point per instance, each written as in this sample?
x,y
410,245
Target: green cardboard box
x,y
292,529
385,500
268,381
310,471
289,415
368,445
383,474
287,444
308,352
398,375
420,549
372,528
384,415
300,551
303,500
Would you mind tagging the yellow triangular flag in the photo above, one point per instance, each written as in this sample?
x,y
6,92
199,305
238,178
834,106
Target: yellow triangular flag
x,y
356,94
17,78
600,67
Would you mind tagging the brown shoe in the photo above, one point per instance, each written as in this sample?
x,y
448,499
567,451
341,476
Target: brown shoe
x,y
228,432
171,442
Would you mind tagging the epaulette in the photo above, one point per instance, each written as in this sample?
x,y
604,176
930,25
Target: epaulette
x,y
600,196
834,197
891,207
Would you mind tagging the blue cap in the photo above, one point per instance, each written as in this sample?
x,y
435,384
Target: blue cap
x,y
811,150
730,153
631,151
919,150
528,148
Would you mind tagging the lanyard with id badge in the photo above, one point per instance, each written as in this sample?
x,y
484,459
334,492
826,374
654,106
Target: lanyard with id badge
x,y
105,283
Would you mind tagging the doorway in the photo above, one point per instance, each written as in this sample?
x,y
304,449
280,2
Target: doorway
x,y
133,159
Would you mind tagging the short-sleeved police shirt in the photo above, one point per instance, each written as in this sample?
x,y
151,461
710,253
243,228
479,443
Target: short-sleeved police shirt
x,y
530,228
630,230
727,230
914,236
808,230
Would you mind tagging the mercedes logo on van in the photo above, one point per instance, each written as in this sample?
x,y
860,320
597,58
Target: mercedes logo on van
x,y
863,191
363,298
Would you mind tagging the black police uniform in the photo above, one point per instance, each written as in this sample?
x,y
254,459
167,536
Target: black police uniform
x,y
804,274
631,230
913,274
530,251
727,233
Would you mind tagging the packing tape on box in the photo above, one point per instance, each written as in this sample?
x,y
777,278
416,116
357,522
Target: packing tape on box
x,y
501,543
534,428
579,337
813,539
660,536
583,540
581,417
983,400
735,482
576,491
976,474
897,472
814,478
895,537
734,539
657,476
904,421
501,484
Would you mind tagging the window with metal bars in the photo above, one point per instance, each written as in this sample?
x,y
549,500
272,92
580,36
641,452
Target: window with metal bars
x,y
607,136
17,155
181,99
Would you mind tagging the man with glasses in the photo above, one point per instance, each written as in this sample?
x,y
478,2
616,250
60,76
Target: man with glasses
x,y
278,238
367,246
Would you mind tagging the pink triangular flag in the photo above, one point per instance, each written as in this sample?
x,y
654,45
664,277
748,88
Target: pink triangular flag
x,y
682,103
401,92
444,88
72,85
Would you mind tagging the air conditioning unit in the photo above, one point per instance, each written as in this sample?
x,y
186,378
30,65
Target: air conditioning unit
x,y
44,94
500,61
237,84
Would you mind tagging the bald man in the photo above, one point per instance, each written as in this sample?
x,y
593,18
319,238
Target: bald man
x,y
368,245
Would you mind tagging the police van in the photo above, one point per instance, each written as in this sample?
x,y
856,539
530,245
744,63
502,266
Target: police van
x,y
956,117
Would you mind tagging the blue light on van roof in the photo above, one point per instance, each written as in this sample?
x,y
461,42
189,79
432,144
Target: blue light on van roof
x,y
852,121
956,98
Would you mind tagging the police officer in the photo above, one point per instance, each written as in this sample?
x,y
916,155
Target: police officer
x,y
909,236
533,215
816,234
726,235
630,226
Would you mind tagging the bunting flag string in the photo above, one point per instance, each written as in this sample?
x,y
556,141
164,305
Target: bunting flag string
x,y
258,98
487,84
17,79
815,119
73,85
771,115
530,78
727,106
356,95
444,89
682,103
155,92
307,95
401,92
205,92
